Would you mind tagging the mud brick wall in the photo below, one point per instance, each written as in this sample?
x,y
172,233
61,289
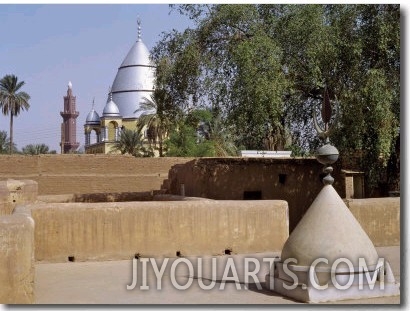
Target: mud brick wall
x,y
295,180
380,219
14,192
120,230
70,173
17,258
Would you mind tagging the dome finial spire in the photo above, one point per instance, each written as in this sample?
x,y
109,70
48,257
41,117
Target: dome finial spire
x,y
139,28
110,94
93,103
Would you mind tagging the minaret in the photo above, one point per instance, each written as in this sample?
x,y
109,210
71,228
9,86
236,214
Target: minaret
x,y
69,127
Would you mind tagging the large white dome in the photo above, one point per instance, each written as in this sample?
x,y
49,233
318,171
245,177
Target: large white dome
x,y
134,80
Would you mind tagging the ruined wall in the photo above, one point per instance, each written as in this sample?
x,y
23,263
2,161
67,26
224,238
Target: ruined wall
x,y
17,258
13,192
108,231
380,219
71,173
296,181
16,242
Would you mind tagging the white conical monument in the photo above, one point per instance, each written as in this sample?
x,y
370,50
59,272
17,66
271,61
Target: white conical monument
x,y
331,231
328,256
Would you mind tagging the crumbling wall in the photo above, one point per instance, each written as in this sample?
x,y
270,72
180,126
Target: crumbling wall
x,y
13,192
108,231
16,242
17,258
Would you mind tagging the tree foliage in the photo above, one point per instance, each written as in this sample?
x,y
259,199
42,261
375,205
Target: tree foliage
x,y
211,128
201,134
157,119
184,142
35,149
5,143
263,69
130,142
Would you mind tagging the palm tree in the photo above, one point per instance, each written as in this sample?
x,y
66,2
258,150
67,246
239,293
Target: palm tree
x,y
129,142
12,101
213,129
156,118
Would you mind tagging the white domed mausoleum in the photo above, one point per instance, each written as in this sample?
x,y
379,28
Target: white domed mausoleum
x,y
133,82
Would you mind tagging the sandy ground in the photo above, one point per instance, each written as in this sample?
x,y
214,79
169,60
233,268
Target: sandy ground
x,y
106,282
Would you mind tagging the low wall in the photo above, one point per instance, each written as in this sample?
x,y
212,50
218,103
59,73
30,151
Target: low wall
x,y
109,231
114,197
86,173
380,219
97,197
17,258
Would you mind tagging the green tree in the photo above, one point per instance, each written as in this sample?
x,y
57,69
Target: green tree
x,y
12,100
212,128
5,143
304,37
129,142
370,97
34,149
354,51
184,142
229,63
201,134
264,69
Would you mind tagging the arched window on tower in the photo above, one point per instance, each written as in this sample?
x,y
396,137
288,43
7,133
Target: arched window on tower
x,y
94,137
112,131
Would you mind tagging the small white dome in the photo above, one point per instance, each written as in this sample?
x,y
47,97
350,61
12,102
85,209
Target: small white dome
x,y
92,118
111,110
70,85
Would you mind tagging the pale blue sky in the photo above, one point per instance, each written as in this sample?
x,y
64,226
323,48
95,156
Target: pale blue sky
x,y
48,45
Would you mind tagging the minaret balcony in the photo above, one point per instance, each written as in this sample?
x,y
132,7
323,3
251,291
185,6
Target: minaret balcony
x,y
69,113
